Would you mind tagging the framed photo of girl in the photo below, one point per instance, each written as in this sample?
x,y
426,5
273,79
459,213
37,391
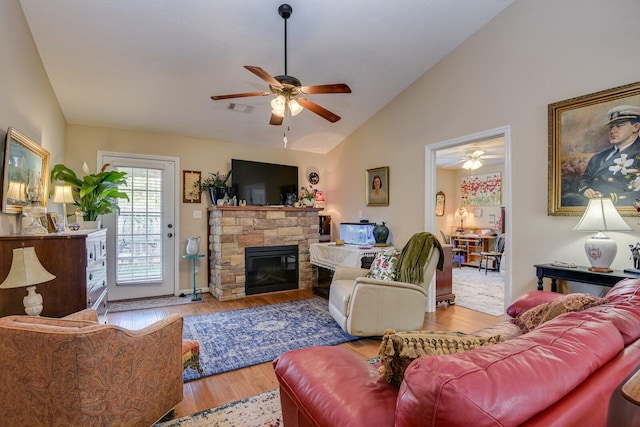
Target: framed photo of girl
x,y
377,190
594,150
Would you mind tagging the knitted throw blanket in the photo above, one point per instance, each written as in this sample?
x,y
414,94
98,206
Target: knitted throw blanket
x,y
410,264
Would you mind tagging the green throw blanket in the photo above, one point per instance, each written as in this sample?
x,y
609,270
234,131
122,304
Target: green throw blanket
x,y
410,264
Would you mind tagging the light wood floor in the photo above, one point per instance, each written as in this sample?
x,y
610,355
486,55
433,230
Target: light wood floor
x,y
219,389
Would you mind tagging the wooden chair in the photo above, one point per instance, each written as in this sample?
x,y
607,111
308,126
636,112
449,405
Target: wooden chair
x,y
495,256
457,252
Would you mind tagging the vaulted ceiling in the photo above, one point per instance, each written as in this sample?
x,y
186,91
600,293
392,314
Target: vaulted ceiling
x,y
152,65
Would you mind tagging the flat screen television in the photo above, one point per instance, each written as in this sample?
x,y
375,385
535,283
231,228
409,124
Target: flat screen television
x,y
263,184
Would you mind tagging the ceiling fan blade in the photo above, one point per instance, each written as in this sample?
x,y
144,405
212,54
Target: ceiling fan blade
x,y
318,89
276,120
240,95
322,112
263,75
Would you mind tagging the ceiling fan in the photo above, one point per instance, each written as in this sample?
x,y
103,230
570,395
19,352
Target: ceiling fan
x,y
473,157
288,90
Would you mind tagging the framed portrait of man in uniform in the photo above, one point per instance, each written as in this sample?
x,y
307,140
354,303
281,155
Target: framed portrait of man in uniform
x,y
594,150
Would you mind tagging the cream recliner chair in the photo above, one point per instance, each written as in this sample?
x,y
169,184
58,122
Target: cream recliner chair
x,y
367,307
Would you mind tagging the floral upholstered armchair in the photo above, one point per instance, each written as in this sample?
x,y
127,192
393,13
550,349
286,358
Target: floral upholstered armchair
x,y
76,372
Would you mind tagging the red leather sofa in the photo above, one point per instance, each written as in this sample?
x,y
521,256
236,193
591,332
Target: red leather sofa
x,y
563,373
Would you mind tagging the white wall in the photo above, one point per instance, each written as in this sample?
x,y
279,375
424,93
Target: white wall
x,y
533,54
206,156
27,101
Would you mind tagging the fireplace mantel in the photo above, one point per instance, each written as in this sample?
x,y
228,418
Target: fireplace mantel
x,y
234,228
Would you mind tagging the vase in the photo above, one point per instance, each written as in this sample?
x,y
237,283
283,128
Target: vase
x,y
290,199
193,245
308,203
91,225
381,233
217,193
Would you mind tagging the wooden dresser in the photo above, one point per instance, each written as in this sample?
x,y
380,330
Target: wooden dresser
x,y
79,262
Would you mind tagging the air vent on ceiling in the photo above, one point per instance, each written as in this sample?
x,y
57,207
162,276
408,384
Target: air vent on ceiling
x,y
240,108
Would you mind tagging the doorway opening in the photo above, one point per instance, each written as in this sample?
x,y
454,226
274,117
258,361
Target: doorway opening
x,y
141,239
431,188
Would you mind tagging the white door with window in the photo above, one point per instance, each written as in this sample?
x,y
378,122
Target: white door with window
x,y
141,239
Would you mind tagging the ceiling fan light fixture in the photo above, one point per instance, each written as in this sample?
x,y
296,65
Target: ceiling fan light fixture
x,y
295,107
278,104
472,164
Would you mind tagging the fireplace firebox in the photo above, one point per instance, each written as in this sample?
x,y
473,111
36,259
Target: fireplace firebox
x,y
271,269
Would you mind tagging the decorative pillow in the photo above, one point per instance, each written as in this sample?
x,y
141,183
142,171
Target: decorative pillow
x,y
383,266
530,300
534,317
398,349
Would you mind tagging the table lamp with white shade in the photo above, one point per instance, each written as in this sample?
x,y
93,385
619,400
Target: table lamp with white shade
x,y
63,194
601,215
27,271
461,214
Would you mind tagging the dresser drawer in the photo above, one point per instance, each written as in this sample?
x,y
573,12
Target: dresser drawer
x,y
97,300
96,276
96,248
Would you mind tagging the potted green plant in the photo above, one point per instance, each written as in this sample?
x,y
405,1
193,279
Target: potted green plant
x,y
215,184
94,194
308,196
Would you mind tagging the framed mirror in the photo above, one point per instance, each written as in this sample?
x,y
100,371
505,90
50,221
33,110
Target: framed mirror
x,y
25,173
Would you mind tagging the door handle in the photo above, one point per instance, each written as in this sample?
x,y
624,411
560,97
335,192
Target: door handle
x,y
170,235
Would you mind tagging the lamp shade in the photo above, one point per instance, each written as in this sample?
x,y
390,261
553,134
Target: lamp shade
x,y
601,215
16,191
461,213
295,107
26,270
63,194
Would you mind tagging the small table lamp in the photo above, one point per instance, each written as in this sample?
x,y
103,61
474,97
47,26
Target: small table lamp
x,y
601,215
64,195
462,214
27,271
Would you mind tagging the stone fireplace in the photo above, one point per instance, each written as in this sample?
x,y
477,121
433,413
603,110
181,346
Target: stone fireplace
x,y
232,229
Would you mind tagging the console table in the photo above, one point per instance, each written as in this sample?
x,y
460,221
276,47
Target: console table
x,y
579,274
330,255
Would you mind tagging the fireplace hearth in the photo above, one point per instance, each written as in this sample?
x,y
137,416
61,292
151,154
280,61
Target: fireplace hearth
x,y
271,269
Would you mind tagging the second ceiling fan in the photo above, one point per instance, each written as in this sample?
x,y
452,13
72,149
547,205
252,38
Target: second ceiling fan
x,y
288,89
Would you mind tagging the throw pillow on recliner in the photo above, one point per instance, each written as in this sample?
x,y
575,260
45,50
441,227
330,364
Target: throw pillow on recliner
x,y
383,266
398,349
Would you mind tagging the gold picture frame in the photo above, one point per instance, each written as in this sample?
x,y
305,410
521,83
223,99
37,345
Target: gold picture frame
x,y
25,173
440,200
377,186
578,130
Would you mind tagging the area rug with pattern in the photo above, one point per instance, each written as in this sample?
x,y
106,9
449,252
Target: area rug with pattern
x,y
262,410
146,303
239,338
477,291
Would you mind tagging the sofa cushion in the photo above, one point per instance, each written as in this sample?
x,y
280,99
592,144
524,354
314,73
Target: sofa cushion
x,y
625,316
398,349
506,384
333,386
625,290
384,266
536,316
530,300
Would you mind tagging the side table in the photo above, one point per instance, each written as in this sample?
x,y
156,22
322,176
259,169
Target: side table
x,y
579,274
193,258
